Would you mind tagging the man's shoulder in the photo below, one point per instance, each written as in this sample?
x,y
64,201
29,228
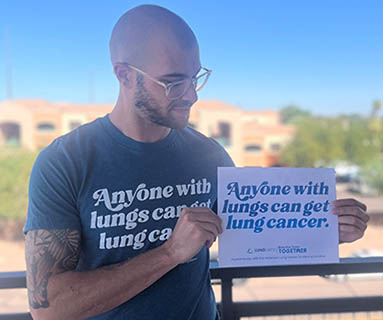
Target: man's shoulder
x,y
73,143
80,135
194,136
204,146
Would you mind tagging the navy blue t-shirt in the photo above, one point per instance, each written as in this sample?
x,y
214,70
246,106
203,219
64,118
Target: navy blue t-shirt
x,y
125,198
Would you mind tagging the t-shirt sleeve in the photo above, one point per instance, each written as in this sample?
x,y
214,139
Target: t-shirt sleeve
x,y
52,196
226,159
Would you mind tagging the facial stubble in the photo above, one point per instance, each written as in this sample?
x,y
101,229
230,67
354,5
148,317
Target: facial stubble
x,y
150,109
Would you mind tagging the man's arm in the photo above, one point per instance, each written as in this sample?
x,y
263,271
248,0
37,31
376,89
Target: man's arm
x,y
57,291
48,252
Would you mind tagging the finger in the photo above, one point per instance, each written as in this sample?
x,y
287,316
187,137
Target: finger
x,y
349,203
210,243
199,233
209,227
199,209
201,223
205,218
352,211
350,236
352,221
202,210
351,230
208,236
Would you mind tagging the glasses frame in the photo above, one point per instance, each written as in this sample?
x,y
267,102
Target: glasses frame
x,y
168,86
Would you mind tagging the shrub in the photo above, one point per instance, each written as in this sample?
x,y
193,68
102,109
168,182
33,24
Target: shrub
x,y
15,168
372,173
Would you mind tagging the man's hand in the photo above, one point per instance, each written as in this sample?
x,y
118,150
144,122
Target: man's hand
x,y
195,228
352,219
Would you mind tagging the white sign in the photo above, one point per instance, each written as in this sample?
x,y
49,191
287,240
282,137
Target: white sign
x,y
277,216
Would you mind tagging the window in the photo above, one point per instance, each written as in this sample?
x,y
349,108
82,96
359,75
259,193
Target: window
x,y
256,148
223,136
10,133
275,147
74,124
46,127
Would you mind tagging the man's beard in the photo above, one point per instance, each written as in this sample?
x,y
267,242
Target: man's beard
x,y
148,105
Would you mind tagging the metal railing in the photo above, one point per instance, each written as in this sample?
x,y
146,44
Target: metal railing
x,y
235,310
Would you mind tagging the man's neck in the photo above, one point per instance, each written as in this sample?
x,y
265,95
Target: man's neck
x,y
135,127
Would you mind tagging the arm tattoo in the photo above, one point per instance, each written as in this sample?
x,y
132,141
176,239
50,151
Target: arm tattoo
x,y
48,252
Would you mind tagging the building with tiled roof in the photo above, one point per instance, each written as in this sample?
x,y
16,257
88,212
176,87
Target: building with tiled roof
x,y
252,138
34,124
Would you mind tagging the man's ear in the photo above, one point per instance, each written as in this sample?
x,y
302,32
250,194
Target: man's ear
x,y
123,74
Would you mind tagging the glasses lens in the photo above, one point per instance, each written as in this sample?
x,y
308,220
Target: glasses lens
x,y
201,80
178,89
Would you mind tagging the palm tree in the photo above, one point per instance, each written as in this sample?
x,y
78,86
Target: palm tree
x,y
377,125
376,107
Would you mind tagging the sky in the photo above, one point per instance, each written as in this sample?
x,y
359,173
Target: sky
x,y
324,56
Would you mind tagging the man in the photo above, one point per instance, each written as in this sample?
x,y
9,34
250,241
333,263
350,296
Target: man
x,y
119,221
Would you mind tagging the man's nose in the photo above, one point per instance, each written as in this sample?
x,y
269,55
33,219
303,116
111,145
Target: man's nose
x,y
191,94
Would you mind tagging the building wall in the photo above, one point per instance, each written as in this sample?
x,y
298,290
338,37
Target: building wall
x,y
236,129
71,120
209,122
41,122
254,129
43,137
18,114
265,118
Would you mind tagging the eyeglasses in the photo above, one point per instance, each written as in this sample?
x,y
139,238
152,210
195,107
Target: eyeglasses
x,y
175,90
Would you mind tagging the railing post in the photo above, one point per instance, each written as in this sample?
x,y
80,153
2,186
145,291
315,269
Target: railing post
x,y
227,299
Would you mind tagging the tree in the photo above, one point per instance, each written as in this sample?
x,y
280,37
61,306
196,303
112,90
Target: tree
x,y
373,174
329,139
292,114
376,125
358,145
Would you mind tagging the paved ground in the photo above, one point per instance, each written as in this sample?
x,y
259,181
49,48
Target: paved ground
x,y
12,259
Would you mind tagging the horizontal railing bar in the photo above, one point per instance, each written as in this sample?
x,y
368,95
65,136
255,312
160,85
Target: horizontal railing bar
x,y
345,266
13,280
308,306
16,279
16,316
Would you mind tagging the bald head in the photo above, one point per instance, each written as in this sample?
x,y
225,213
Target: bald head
x,y
146,32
